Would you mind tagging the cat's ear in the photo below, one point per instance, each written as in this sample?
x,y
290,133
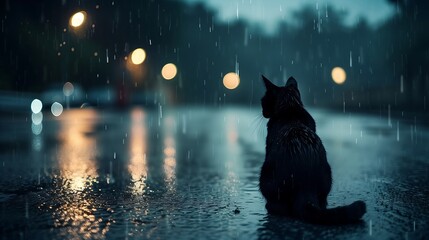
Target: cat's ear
x,y
268,85
292,82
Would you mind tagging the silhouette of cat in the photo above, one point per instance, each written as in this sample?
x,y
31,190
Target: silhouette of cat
x,y
296,177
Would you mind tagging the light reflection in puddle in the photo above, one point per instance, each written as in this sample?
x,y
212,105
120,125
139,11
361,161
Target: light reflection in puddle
x,y
78,151
76,211
232,150
169,153
137,165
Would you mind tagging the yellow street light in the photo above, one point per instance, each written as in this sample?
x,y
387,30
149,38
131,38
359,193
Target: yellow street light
x,y
338,75
78,19
231,80
138,56
169,71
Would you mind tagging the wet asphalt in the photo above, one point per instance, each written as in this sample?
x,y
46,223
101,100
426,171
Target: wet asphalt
x,y
192,173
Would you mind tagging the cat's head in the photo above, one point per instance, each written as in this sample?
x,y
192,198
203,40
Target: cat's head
x,y
277,100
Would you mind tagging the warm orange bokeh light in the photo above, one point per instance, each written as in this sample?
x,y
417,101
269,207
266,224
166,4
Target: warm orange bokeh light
x,y
138,56
338,75
169,71
231,80
78,19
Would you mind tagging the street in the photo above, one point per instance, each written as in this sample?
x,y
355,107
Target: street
x,y
192,173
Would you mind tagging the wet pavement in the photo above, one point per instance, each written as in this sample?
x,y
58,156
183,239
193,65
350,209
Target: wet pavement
x,y
193,174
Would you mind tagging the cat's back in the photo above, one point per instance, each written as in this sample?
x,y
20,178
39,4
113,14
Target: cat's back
x,y
287,134
294,143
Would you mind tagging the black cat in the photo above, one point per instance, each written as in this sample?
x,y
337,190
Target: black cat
x,y
296,177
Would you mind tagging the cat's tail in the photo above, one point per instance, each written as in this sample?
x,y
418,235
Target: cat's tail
x,y
340,215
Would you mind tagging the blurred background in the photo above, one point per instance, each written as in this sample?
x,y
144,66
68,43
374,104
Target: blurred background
x,y
367,55
142,119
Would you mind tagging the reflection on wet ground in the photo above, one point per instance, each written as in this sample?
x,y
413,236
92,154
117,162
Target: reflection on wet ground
x,y
193,174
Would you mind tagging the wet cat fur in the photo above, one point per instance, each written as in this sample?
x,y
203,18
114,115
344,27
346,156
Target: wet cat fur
x,y
296,177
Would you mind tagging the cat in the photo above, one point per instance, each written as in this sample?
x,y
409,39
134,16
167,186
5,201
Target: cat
x,y
295,177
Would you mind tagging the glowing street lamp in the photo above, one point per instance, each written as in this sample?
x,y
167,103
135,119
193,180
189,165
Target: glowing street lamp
x,y
78,19
231,80
338,75
36,106
138,56
169,71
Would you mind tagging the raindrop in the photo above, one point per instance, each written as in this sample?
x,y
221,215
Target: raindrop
x,y
402,83
326,12
370,227
246,39
237,65
184,124
351,61
389,121
397,131
27,215
415,124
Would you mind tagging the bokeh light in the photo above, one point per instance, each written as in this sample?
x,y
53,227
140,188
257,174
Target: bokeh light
x,y
231,80
77,19
138,56
56,109
338,75
37,118
169,71
36,106
36,128
68,89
